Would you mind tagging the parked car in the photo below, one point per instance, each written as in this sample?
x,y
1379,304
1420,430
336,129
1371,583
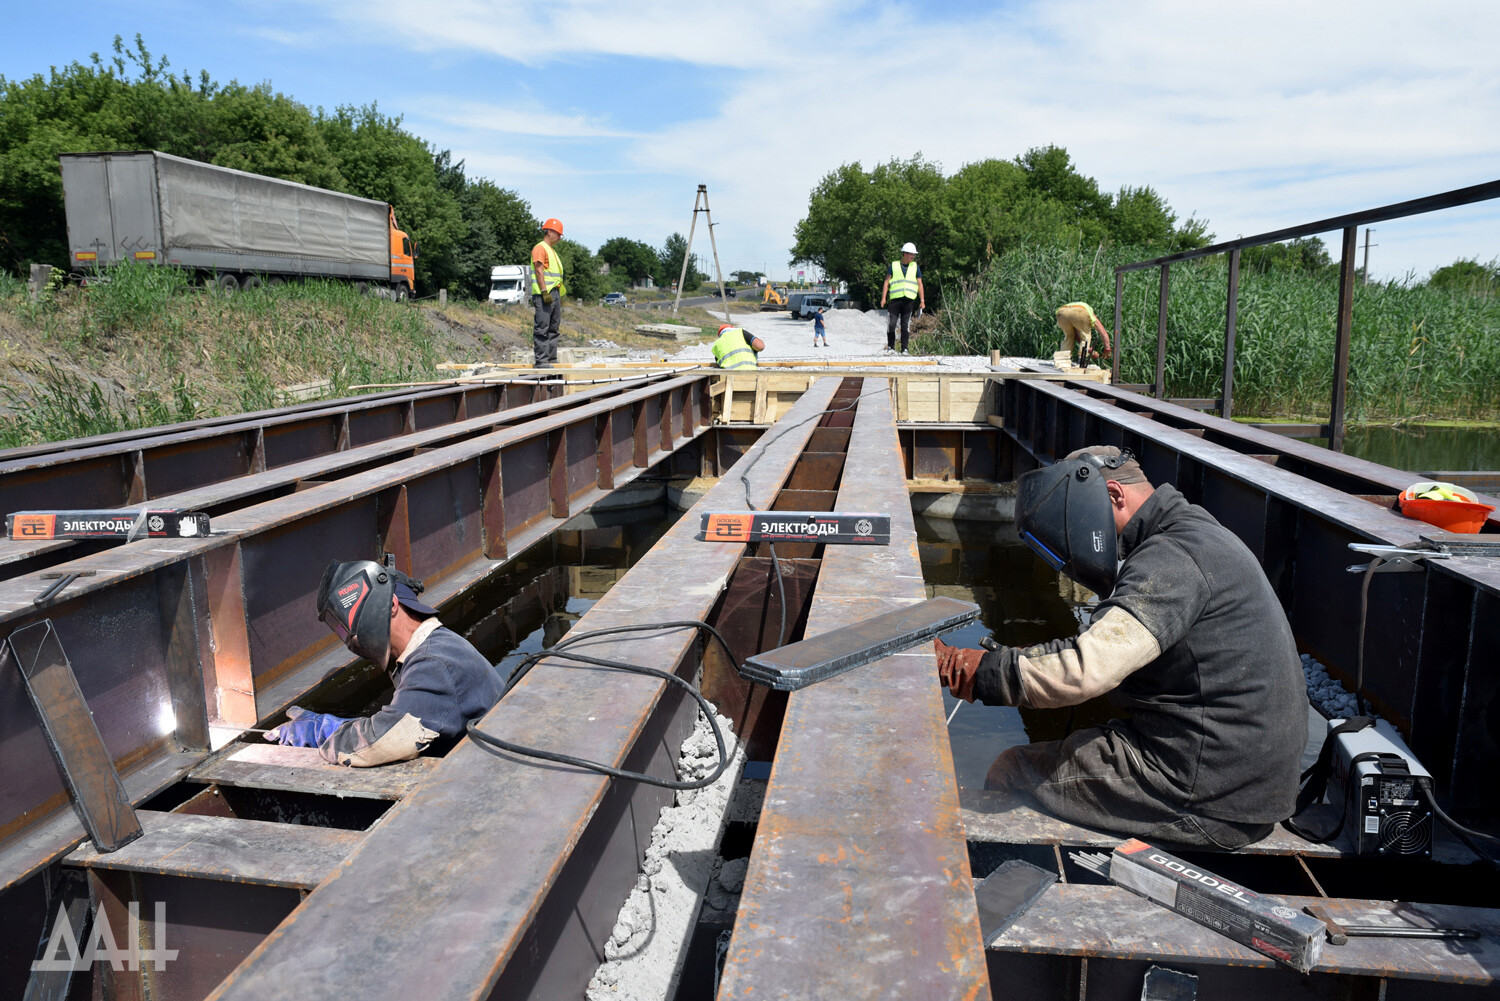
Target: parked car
x,y
615,299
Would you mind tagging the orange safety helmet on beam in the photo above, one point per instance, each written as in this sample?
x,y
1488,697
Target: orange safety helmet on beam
x,y
555,225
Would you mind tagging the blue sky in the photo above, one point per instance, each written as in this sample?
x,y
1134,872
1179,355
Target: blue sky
x,y
608,115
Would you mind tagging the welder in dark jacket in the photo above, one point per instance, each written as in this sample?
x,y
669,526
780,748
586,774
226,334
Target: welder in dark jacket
x,y
442,682
1188,636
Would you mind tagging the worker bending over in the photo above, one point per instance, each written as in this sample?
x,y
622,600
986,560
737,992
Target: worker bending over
x,y
547,290
1078,324
442,682
903,284
1188,637
736,347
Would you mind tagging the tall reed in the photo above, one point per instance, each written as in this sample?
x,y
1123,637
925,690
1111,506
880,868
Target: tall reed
x,y
1415,351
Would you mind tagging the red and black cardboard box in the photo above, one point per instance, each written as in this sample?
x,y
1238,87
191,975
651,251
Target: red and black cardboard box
x,y
1265,924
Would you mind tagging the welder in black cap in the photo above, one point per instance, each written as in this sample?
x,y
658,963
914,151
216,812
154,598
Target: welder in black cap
x,y
442,682
1187,636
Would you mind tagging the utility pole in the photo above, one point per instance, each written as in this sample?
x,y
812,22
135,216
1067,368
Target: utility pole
x,y
687,256
1366,270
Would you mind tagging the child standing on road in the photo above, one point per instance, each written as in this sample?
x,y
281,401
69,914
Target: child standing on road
x,y
818,329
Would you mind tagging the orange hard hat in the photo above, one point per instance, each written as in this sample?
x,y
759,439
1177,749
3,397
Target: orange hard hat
x,y
553,224
725,326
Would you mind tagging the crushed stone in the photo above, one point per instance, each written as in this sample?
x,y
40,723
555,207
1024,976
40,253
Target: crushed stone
x,y
644,953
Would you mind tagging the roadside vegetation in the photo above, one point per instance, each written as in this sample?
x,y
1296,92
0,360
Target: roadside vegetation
x,y
145,348
1418,350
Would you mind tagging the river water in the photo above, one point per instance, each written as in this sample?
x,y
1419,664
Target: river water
x,y
1423,449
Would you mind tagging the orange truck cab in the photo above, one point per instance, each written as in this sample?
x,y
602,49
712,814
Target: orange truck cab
x,y
403,259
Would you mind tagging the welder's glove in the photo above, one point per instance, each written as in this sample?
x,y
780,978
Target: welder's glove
x,y
957,667
305,729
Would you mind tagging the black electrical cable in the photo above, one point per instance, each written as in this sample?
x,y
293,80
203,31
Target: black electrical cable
x,y
1467,835
491,742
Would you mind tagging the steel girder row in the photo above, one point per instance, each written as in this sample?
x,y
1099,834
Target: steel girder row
x,y
1433,639
1343,472
165,468
224,485
501,876
859,882
173,634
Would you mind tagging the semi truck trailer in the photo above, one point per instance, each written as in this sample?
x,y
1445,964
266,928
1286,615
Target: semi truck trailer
x,y
228,227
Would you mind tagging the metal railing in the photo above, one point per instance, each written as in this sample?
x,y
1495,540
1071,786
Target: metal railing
x,y
1349,224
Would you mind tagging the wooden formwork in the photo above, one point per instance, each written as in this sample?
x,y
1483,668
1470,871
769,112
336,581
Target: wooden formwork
x,y
761,397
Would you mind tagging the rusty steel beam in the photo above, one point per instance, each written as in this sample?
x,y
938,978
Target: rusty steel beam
x,y
70,444
248,636
217,496
859,881
1433,638
134,470
1332,469
505,874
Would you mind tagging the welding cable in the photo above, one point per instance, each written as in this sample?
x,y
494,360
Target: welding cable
x,y
1467,835
560,651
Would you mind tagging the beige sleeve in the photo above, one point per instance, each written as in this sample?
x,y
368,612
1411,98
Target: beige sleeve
x,y
1114,646
402,742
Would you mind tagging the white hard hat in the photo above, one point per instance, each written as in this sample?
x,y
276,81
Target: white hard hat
x,y
908,248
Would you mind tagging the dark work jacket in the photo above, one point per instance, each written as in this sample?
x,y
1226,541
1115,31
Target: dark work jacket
x,y
444,683
1220,716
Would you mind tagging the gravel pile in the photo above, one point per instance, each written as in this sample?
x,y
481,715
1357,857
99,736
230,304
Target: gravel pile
x,y
652,930
1326,694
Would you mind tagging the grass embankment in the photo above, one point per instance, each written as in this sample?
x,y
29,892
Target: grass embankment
x,y
149,349
1416,352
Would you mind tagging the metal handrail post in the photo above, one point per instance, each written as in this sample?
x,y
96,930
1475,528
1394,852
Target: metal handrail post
x,y
1231,310
1342,330
1114,367
1161,335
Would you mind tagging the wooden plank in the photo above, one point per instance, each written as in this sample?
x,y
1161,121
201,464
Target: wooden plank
x,y
758,415
302,769
1114,923
945,399
903,399
227,848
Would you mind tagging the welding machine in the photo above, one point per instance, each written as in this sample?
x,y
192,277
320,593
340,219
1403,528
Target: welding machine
x,y
1377,779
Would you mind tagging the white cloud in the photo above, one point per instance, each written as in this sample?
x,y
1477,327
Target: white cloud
x,y
1253,117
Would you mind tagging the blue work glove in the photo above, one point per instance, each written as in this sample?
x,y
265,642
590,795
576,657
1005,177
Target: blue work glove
x,y
305,729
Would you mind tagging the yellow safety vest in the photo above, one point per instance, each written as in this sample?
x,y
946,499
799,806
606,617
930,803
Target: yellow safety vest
x,y
903,286
733,350
1083,306
552,275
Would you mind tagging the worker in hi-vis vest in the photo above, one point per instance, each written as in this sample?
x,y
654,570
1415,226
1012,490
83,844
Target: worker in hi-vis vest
x,y
546,294
903,286
736,347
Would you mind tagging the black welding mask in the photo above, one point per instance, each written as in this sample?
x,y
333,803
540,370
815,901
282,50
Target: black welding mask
x,y
354,600
1063,513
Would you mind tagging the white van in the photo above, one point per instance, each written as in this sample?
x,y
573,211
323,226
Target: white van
x,y
509,283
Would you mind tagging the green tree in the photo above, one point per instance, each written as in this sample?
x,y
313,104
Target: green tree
x,y
669,264
856,223
632,258
1467,275
580,268
381,160
747,277
1306,254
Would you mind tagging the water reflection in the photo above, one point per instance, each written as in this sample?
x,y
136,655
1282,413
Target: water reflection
x,y
1021,601
1422,448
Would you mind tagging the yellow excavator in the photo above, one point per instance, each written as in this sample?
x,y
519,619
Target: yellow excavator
x,y
773,299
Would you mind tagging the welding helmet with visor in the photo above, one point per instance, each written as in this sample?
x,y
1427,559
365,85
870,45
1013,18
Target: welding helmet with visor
x,y
354,600
1064,514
